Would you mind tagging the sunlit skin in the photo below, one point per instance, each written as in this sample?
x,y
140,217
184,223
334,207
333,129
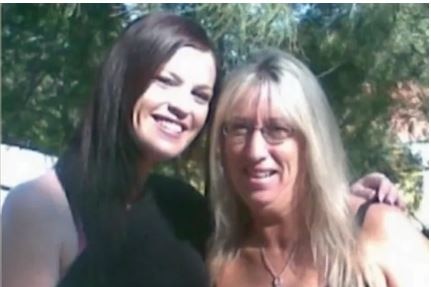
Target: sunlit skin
x,y
172,111
269,176
263,174
269,179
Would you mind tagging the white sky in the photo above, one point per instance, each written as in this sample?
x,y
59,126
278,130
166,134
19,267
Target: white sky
x,y
19,165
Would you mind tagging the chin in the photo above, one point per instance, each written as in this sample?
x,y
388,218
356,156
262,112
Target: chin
x,y
164,155
162,150
261,201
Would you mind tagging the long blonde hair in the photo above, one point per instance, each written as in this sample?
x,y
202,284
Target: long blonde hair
x,y
329,223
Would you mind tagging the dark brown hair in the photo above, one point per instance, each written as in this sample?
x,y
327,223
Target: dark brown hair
x,y
106,172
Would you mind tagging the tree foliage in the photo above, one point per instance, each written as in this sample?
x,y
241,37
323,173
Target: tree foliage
x,y
50,54
361,53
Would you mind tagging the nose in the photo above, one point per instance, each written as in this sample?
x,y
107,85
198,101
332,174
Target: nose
x,y
178,111
180,105
256,146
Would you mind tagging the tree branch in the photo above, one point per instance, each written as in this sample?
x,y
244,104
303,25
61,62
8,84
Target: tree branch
x,y
330,70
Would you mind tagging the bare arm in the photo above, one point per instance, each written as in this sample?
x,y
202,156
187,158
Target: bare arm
x,y
395,244
31,243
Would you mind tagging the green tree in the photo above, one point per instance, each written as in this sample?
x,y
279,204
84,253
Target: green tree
x,y
362,52
50,54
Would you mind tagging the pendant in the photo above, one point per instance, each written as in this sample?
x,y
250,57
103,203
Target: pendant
x,y
277,282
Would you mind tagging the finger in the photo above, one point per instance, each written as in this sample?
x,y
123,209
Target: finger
x,y
385,191
374,180
384,195
401,204
365,192
391,197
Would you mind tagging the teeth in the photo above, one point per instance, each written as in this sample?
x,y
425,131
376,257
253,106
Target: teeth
x,y
261,174
170,126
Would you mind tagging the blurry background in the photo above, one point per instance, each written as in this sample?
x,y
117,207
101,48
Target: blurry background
x,y
372,60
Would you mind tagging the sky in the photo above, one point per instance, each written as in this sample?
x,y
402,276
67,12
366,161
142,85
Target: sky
x,y
19,165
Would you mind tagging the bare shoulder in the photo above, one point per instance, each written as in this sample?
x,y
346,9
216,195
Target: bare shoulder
x,y
37,210
40,198
391,241
384,222
36,223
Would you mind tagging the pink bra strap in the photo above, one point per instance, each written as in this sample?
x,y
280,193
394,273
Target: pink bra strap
x,y
82,241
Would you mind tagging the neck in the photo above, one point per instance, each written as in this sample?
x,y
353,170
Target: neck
x,y
282,230
144,169
280,234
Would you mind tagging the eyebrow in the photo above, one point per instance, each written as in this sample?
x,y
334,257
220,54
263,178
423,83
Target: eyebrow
x,y
268,119
180,80
240,119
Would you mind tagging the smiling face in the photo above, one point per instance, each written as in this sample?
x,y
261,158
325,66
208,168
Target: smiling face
x,y
172,111
261,167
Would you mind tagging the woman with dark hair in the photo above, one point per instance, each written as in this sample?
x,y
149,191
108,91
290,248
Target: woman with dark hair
x,y
151,101
100,218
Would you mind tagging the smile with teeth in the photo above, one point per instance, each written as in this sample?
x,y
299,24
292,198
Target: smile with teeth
x,y
169,126
261,174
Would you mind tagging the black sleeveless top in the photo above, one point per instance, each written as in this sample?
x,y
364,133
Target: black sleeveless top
x,y
166,233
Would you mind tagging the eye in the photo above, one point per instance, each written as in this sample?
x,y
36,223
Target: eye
x,y
165,80
279,131
202,97
237,129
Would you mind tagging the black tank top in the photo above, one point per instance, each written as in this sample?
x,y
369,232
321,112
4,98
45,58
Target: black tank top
x,y
166,233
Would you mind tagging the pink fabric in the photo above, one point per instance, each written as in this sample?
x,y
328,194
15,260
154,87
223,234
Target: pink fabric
x,y
82,241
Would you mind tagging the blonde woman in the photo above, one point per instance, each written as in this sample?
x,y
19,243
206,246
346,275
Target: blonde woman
x,y
279,192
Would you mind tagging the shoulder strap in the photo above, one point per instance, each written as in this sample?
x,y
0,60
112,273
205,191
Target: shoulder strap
x,y
362,212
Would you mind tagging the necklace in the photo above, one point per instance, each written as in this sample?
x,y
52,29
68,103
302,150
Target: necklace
x,y
276,279
128,206
131,201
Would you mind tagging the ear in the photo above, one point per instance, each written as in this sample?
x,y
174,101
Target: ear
x,y
136,121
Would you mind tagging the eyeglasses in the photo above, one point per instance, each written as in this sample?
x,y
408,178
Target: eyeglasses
x,y
239,132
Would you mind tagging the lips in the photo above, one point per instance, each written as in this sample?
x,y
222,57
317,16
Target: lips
x,y
170,126
261,174
260,178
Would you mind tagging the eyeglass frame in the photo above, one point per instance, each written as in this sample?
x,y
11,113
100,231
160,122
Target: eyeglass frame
x,y
250,129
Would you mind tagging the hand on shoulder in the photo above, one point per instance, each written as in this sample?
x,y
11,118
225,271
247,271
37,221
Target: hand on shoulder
x,y
377,187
